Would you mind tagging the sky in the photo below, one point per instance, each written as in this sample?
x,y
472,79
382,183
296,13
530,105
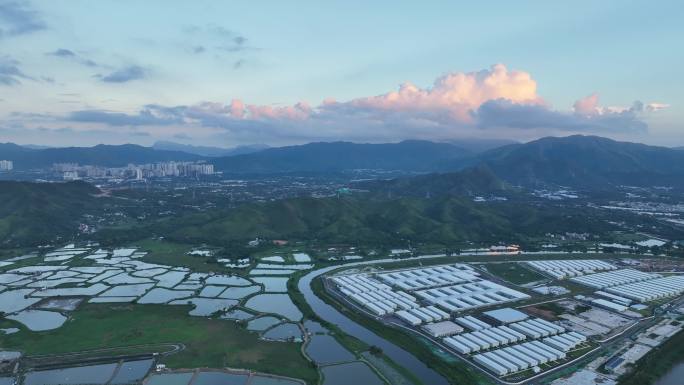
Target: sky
x,y
227,73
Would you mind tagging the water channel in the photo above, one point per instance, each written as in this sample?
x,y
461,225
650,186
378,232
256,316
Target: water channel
x,y
673,377
330,314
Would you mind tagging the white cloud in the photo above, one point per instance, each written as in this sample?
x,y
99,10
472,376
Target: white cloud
x,y
457,104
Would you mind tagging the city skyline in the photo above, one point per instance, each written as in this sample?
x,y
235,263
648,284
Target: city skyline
x,y
227,74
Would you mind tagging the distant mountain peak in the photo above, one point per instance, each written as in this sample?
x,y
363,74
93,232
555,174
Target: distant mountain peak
x,y
411,155
208,151
586,161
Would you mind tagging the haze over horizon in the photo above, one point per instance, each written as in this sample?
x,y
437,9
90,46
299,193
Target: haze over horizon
x,y
224,74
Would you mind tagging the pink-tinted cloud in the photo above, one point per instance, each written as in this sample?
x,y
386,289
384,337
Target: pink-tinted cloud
x,y
653,107
587,106
457,93
456,104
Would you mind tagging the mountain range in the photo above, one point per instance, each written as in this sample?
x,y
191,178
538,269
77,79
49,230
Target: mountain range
x,y
573,161
585,162
409,155
208,151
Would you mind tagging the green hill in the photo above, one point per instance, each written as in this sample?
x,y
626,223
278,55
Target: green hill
x,y
34,213
586,162
469,182
361,219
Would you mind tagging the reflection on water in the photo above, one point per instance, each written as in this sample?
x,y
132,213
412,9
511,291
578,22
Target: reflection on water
x,y
214,378
237,314
351,373
262,323
239,292
258,380
170,379
206,306
324,349
159,295
39,320
275,303
332,315
284,332
673,377
129,372
95,374
132,371
273,284
217,378
314,327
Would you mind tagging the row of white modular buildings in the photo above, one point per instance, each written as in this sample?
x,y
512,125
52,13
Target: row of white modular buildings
x,y
381,300
633,285
472,295
373,295
422,278
560,269
484,338
442,290
519,357
513,347
614,278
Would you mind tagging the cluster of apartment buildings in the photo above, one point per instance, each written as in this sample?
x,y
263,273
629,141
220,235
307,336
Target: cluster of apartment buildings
x,y
6,165
72,171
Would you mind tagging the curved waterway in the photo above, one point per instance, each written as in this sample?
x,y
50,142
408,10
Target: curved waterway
x,y
673,377
330,314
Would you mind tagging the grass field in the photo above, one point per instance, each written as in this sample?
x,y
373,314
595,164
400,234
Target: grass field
x,y
514,273
209,342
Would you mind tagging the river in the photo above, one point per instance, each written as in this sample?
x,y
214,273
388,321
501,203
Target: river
x,y
330,314
673,377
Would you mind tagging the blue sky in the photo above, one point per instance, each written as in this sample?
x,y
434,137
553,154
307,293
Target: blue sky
x,y
227,73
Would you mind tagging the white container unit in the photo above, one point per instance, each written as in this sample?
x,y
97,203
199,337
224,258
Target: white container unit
x,y
542,352
490,365
524,350
493,342
481,344
520,364
525,330
458,346
531,361
559,354
510,367
409,318
519,336
474,347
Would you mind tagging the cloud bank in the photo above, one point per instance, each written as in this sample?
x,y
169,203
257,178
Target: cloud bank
x,y
10,73
71,55
125,75
18,18
495,100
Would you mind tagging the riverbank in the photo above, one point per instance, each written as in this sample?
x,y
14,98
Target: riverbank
x,y
400,356
656,363
423,349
